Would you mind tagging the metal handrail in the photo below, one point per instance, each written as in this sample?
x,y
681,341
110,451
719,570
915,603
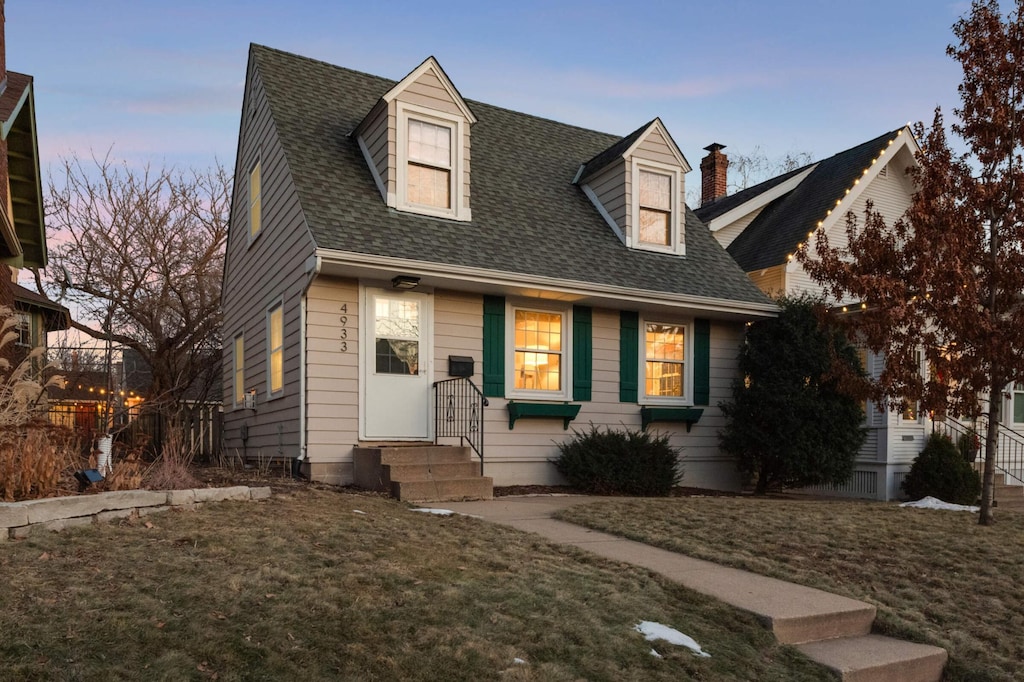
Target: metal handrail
x,y
459,413
1009,459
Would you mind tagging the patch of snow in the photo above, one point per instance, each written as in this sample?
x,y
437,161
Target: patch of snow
x,y
936,503
656,654
654,631
358,511
439,512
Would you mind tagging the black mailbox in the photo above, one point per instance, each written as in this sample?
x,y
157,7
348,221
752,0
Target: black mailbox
x,y
460,366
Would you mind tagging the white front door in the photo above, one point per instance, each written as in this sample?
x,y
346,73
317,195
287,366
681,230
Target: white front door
x,y
395,357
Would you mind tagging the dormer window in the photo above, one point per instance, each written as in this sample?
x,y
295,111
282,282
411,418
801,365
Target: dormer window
x,y
637,187
429,172
430,162
416,144
655,208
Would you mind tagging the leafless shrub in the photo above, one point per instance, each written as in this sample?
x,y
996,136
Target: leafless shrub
x,y
172,471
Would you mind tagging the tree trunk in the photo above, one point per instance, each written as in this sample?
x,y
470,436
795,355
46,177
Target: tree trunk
x,y
988,478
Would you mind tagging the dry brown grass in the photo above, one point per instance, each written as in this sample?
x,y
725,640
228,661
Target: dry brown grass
x,y
33,454
305,587
935,576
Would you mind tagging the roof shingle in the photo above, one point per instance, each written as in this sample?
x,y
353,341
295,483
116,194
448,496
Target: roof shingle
x,y
528,216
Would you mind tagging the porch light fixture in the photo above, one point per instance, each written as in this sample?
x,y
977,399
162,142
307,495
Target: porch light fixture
x,y
405,282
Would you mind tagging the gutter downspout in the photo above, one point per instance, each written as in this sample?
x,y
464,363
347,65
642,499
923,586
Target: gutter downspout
x,y
312,271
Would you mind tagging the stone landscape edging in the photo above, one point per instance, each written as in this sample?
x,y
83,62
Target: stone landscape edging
x,y
18,519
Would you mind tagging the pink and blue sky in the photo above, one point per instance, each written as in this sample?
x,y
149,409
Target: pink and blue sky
x,y
162,81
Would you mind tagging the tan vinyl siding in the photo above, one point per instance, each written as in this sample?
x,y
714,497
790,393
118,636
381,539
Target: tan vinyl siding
x,y
427,91
332,370
378,137
252,286
530,445
654,147
609,186
458,330
519,455
728,234
772,280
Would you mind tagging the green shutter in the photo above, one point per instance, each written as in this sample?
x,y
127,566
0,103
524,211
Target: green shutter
x,y
629,355
494,346
701,362
582,352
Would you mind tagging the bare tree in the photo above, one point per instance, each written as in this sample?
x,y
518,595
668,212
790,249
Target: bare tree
x,y
139,253
747,170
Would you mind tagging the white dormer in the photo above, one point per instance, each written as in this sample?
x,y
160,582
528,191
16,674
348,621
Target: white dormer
x,y
416,141
637,186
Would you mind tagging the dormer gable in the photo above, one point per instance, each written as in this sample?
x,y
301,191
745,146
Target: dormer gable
x,y
416,142
637,186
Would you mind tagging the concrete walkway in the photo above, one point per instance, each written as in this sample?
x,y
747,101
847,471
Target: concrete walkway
x,y
828,628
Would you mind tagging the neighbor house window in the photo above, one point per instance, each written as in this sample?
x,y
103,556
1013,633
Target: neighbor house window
x,y
665,361
255,201
429,170
655,208
910,411
539,358
862,355
239,369
275,349
1018,403
23,328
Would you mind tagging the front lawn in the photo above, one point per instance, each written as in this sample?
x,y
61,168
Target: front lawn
x,y
935,576
318,584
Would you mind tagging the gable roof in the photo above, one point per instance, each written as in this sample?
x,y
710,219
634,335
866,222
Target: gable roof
x,y
785,222
430,64
24,241
55,316
625,146
529,219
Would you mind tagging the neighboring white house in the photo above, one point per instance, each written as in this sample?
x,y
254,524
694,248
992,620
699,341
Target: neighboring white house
x,y
762,228
385,235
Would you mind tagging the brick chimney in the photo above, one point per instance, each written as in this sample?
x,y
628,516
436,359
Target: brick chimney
x,y
713,169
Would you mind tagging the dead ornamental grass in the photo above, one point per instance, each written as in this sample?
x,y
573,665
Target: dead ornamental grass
x,y
935,576
303,587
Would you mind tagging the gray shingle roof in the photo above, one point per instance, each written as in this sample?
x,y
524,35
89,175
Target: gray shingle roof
x,y
786,221
528,217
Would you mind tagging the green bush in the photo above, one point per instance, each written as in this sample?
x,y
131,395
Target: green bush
x,y
941,471
624,462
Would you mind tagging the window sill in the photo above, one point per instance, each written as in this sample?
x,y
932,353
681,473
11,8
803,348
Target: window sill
x,y
564,411
688,415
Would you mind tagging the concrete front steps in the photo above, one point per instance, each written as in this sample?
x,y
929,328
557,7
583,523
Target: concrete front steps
x,y
421,473
1008,496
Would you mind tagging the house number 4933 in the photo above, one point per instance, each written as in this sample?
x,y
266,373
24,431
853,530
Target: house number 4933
x,y
344,327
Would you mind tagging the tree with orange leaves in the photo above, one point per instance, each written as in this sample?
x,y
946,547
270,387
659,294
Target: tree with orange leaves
x,y
948,277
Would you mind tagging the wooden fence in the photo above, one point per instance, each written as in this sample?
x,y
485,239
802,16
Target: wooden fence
x,y
203,424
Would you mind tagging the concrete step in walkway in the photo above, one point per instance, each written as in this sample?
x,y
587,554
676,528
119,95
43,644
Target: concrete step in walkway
x,y
828,628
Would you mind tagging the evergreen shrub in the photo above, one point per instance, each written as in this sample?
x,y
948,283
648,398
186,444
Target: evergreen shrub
x,y
941,471
619,462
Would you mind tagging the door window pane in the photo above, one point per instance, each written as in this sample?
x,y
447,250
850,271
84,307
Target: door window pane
x,y
397,336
